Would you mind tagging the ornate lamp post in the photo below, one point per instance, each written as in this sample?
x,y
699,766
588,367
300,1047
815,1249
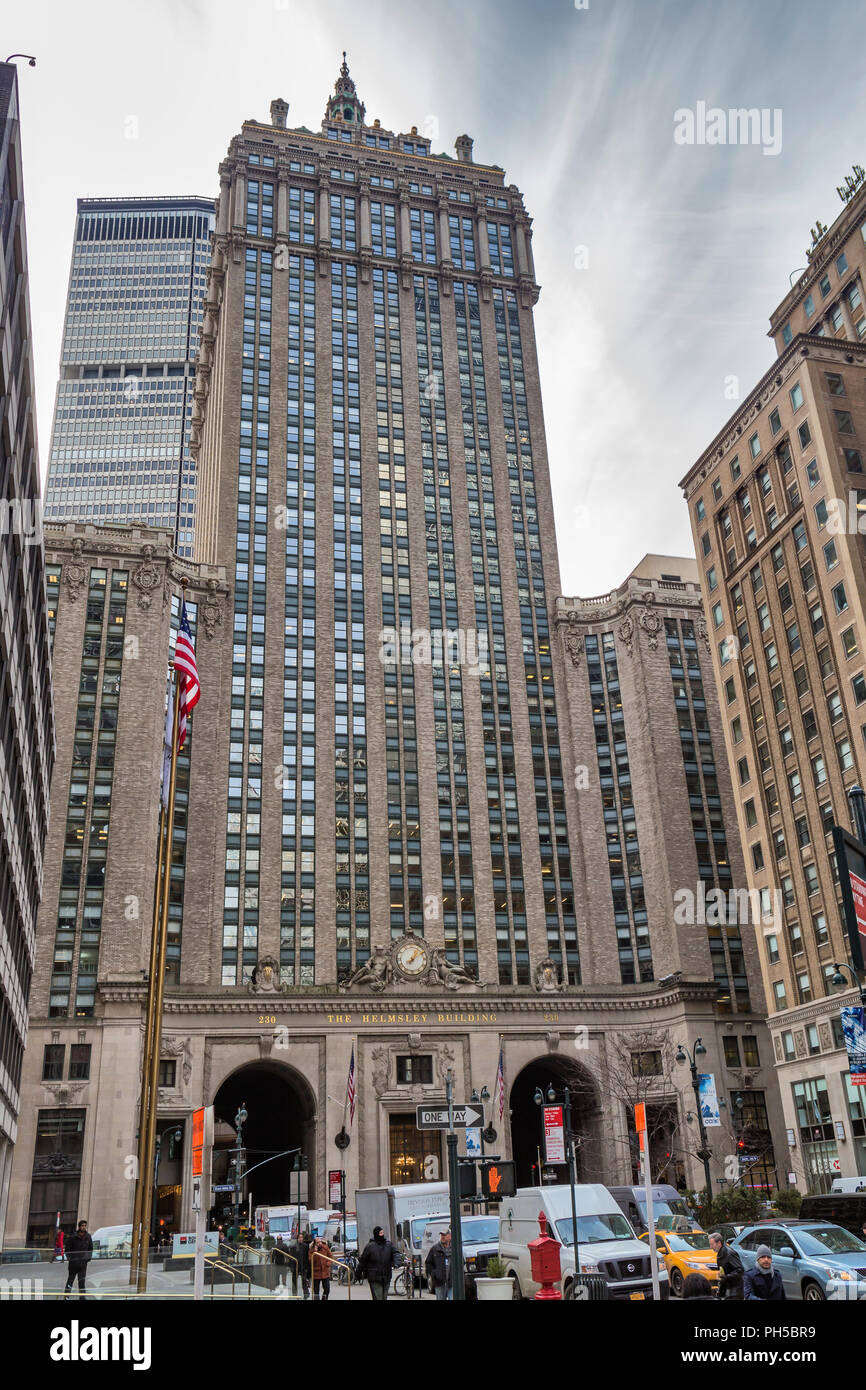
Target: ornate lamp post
x,y
704,1153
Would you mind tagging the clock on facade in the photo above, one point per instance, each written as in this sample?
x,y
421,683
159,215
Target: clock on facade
x,y
411,958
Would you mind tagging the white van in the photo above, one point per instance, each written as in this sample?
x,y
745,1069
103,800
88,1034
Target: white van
x,y
112,1240
848,1185
607,1243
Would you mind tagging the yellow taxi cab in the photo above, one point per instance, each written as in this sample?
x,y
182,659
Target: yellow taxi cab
x,y
684,1253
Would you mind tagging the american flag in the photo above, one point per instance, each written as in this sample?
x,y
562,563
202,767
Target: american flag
x,y
500,1085
187,671
350,1089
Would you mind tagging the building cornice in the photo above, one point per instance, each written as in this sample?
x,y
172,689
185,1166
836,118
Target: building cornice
x,y
805,345
848,220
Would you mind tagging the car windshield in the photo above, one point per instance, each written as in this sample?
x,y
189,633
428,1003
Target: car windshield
x,y
688,1240
479,1230
662,1207
832,1240
592,1229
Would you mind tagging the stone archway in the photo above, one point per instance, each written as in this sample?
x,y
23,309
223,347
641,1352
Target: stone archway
x,y
527,1133
281,1111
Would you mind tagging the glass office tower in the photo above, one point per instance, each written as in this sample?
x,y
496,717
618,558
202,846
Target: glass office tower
x,y
119,447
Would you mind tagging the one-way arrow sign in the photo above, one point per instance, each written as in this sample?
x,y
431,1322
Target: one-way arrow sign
x,y
465,1117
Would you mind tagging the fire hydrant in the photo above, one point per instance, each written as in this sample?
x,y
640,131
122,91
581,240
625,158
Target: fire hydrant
x,y
544,1258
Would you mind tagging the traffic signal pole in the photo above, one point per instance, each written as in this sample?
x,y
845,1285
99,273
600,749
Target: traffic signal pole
x,y
458,1287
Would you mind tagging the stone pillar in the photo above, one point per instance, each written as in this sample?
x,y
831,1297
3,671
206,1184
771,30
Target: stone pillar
x,y
239,217
366,231
483,242
225,197
282,207
444,233
520,223
405,229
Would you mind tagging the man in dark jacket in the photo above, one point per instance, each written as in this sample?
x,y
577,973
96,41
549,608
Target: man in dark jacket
x,y
730,1265
300,1249
79,1249
438,1266
377,1260
763,1284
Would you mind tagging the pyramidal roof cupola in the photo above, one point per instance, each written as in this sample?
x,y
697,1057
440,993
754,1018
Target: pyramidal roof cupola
x,y
345,106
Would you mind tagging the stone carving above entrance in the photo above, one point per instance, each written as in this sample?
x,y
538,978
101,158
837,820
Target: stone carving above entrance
x,y
547,977
266,977
409,960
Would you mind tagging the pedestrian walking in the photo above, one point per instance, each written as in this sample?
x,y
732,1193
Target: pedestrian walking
x,y
377,1260
763,1284
437,1267
320,1268
730,1285
58,1245
79,1251
300,1249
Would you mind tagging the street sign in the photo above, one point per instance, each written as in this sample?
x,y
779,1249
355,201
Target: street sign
x,y
554,1135
465,1117
196,1194
335,1186
224,1187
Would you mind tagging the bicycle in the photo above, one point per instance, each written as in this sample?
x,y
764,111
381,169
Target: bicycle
x,y
404,1280
347,1267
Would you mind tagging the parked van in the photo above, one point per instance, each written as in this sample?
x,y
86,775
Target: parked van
x,y
846,1209
112,1240
607,1243
668,1206
320,1219
848,1184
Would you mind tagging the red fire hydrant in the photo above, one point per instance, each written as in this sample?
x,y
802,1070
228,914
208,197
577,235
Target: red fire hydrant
x,y
544,1257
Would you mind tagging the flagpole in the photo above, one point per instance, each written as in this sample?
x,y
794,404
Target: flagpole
x,y
145,1071
152,1060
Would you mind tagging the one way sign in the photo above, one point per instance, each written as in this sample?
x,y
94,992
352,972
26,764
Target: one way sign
x,y
465,1117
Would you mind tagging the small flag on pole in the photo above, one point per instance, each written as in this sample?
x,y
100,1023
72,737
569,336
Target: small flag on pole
x,y
350,1089
187,673
500,1085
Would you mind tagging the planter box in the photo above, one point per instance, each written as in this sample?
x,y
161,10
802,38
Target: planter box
x,y
494,1290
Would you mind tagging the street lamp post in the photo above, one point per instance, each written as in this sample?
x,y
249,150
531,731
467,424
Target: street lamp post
x,y
681,1056
240,1120
569,1158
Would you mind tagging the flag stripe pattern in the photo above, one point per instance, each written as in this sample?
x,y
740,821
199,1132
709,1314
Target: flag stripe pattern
x,y
350,1089
187,671
500,1085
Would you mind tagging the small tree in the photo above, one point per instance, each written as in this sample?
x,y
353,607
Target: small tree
x,y
788,1200
733,1204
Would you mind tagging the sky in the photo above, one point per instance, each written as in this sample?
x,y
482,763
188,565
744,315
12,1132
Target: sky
x,y
659,261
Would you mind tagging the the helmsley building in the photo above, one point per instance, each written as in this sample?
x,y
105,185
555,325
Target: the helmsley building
x,y
430,807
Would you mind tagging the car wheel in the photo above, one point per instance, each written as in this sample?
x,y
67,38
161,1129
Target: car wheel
x,y
813,1293
516,1295
676,1283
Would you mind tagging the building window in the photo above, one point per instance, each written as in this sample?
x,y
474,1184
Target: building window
x,y
796,395
52,1062
415,1071
750,1051
167,1073
732,1052
79,1062
788,1047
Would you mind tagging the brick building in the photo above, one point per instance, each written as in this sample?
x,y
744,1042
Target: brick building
x,y
389,842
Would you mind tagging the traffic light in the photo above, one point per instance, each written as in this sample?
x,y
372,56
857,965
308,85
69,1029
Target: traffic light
x,y
498,1180
466,1184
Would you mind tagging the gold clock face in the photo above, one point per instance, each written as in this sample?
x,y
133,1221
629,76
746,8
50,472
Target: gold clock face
x,y
412,958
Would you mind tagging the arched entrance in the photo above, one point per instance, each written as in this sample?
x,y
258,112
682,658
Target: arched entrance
x,y
281,1110
527,1128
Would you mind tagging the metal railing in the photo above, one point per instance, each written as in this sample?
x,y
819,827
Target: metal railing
x,y
229,1269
